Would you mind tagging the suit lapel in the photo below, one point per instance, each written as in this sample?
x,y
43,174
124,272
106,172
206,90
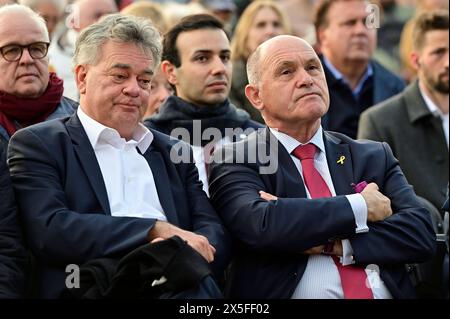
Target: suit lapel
x,y
340,165
162,182
88,161
290,177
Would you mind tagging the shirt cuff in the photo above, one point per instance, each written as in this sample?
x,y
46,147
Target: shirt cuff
x,y
347,253
359,208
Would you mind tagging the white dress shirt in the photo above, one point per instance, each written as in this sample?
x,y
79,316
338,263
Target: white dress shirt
x,y
321,278
128,178
200,161
437,112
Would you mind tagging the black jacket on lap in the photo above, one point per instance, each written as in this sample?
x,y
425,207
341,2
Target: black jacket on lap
x,y
131,277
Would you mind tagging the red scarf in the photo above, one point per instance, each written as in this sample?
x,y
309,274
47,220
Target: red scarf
x,y
30,111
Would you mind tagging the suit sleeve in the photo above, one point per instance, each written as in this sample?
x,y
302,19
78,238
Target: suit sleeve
x,y
405,237
206,221
286,225
55,233
13,256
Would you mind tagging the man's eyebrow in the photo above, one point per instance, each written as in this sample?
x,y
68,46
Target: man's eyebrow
x,y
128,67
312,61
284,64
204,51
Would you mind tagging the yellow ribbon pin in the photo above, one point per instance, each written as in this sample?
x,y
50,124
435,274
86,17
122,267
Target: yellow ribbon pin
x,y
341,160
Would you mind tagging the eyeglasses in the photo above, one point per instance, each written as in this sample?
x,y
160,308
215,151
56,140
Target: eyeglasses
x,y
13,52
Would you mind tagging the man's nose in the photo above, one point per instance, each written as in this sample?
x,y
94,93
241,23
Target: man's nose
x,y
219,66
304,79
132,88
26,57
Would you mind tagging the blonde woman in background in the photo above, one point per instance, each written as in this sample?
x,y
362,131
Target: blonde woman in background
x,y
160,88
149,10
176,11
261,20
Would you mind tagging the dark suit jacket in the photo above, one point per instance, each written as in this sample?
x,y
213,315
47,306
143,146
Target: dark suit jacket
x,y
64,204
270,236
343,114
13,256
417,140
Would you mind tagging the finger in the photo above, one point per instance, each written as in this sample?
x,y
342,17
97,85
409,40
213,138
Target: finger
x,y
372,186
209,255
267,196
390,212
156,240
204,249
212,248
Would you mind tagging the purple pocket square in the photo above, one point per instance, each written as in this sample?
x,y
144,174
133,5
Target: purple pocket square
x,y
359,187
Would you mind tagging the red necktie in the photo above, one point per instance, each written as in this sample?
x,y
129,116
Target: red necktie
x,y
353,279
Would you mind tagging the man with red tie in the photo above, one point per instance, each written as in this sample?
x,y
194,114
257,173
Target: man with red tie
x,y
333,217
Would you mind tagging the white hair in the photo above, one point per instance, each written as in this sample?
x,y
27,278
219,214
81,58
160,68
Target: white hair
x,y
118,28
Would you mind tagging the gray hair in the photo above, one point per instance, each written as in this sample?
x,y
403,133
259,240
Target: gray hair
x,y
34,4
10,8
253,72
117,28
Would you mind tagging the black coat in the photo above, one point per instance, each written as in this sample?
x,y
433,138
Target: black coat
x,y
132,276
13,256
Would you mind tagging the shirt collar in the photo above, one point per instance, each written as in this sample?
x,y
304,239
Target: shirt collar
x,y
290,143
430,104
339,76
99,134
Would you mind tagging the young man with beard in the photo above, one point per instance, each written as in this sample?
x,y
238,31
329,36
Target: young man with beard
x,y
415,123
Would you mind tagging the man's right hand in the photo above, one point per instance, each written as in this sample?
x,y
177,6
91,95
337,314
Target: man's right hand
x,y
378,205
162,230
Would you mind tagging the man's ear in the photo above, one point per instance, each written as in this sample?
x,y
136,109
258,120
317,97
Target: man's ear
x,y
415,60
252,93
169,71
81,77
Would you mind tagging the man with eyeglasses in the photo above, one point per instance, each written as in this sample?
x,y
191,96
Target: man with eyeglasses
x,y
29,93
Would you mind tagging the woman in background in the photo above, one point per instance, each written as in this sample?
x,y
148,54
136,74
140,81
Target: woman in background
x,y
260,21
